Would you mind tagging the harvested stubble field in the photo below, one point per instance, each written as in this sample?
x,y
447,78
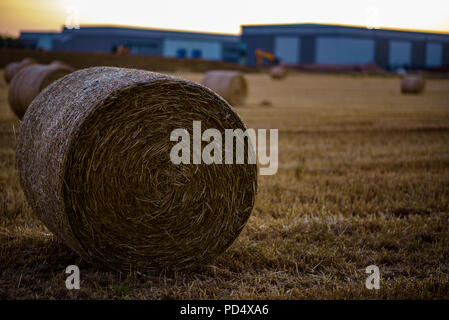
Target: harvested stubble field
x,y
363,179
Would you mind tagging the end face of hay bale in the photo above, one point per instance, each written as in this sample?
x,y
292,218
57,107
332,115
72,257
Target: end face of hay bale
x,y
93,156
231,85
278,72
412,84
30,81
13,68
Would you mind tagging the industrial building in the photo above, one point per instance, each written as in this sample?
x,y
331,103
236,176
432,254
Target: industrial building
x,y
39,40
343,45
293,44
142,41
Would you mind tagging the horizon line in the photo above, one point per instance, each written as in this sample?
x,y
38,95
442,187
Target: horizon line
x,y
94,25
351,26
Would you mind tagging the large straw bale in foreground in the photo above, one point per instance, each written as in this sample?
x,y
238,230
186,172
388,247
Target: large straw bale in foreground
x,y
412,84
231,85
14,67
93,156
31,80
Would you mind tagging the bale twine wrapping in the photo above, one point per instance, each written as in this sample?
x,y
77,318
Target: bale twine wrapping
x,y
412,84
31,80
93,160
278,72
231,85
14,67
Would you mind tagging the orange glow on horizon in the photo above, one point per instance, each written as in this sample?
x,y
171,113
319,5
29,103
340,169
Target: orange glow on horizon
x,y
220,16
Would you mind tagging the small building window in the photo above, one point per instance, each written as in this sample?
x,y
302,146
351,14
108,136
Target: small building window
x,y
181,53
196,53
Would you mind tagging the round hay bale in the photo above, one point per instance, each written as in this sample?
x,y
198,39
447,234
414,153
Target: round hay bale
x,y
278,72
231,85
412,84
14,67
93,156
31,80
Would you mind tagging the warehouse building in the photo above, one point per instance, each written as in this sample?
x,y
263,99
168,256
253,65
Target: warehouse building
x,y
144,41
343,45
39,40
294,44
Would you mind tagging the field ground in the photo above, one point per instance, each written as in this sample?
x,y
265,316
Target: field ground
x,y
363,179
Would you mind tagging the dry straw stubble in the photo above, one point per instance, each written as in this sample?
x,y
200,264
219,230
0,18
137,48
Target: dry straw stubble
x,y
30,81
93,160
231,85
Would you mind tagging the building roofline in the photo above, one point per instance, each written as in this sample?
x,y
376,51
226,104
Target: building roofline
x,y
139,28
122,30
39,32
344,26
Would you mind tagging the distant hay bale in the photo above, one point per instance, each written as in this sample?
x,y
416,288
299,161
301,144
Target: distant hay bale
x,y
231,85
31,80
14,67
60,63
93,156
412,84
278,72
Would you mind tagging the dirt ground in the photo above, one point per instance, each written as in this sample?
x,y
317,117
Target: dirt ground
x,y
363,180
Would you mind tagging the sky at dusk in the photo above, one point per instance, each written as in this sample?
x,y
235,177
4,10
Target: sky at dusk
x,y
223,16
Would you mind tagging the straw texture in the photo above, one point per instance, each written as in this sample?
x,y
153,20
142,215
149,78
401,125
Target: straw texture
x,y
93,160
14,67
231,85
412,84
31,80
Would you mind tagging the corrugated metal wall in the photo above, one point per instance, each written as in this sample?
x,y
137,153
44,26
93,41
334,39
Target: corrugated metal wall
x,y
206,50
434,55
344,50
324,44
151,42
288,49
400,54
